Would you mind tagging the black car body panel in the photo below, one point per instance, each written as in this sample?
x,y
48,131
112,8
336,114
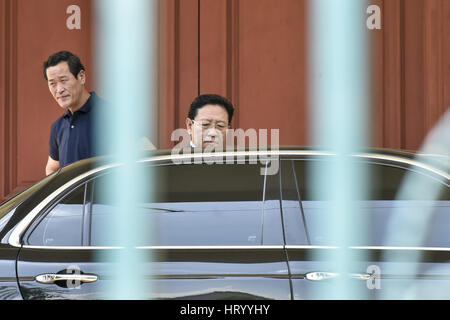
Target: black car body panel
x,y
9,289
234,273
222,231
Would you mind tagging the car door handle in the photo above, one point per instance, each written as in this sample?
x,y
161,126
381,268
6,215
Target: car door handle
x,y
319,276
50,278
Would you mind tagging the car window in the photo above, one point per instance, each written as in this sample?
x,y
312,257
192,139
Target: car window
x,y
392,216
62,224
198,204
407,207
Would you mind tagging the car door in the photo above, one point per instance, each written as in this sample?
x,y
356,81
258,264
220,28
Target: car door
x,y
406,251
53,262
215,232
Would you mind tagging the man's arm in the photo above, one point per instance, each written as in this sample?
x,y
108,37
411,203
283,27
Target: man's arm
x,y
52,166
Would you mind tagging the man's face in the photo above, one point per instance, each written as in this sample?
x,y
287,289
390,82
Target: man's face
x,y
208,129
64,87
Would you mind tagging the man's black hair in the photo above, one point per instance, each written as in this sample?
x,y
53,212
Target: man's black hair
x,y
214,99
75,65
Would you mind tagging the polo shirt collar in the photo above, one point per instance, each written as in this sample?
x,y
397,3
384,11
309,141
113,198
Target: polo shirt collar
x,y
85,108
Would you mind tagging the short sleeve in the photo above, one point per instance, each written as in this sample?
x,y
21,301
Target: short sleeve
x,y
53,144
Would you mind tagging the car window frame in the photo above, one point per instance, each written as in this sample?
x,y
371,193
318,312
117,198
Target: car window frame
x,y
44,213
16,234
43,208
406,164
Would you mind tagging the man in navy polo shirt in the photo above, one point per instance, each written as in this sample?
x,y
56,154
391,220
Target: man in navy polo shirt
x,y
71,136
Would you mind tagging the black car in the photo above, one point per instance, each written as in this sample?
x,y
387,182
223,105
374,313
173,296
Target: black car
x,y
229,230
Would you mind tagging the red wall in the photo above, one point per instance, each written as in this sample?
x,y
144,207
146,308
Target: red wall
x,y
31,31
252,51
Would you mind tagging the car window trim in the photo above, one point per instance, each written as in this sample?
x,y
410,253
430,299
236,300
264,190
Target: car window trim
x,y
202,247
40,217
241,247
405,161
393,248
15,237
374,156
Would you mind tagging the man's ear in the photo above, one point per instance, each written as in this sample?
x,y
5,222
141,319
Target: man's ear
x,y
189,125
82,76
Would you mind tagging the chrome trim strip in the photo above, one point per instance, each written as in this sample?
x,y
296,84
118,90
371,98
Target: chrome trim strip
x,y
238,247
304,152
263,247
372,248
405,161
295,246
220,275
14,239
402,248
195,155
